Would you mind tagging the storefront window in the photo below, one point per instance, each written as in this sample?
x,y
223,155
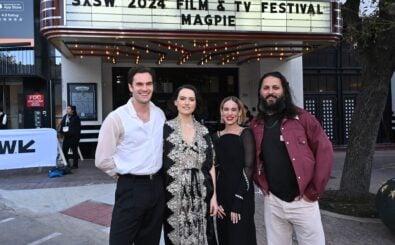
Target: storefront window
x,y
11,100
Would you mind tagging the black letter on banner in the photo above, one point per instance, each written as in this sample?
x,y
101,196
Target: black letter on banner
x,y
186,19
76,3
221,7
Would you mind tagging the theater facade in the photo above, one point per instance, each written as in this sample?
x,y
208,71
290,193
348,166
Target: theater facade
x,y
222,47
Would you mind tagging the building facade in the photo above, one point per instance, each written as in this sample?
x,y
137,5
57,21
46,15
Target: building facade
x,y
222,47
28,66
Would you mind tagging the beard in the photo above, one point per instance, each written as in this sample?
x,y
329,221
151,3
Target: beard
x,y
273,108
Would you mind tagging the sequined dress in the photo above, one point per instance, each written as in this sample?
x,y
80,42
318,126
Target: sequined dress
x,y
188,186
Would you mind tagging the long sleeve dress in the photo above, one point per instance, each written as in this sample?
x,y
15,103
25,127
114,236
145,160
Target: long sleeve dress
x,y
189,186
235,190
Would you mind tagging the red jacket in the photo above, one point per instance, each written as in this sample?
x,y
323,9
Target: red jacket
x,y
309,150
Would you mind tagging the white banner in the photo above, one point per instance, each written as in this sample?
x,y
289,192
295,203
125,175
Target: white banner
x,y
26,148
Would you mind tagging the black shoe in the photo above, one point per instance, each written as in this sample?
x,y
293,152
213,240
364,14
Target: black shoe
x,y
74,167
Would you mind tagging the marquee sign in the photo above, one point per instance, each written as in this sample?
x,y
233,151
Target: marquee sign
x,y
202,15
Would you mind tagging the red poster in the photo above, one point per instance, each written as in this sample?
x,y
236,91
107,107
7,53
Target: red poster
x,y
35,100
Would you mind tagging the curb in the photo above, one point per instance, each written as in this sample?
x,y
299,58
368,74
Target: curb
x,y
351,218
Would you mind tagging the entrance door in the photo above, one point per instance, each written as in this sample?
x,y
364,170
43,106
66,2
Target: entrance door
x,y
213,83
11,100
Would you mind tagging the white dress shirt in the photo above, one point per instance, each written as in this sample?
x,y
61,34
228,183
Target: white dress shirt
x,y
127,145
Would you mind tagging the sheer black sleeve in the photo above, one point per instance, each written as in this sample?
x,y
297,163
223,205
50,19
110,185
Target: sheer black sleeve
x,y
215,139
248,141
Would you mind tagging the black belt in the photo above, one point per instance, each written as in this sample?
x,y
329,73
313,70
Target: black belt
x,y
146,177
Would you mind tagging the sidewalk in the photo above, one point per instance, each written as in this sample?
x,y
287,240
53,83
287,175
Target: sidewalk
x,y
88,195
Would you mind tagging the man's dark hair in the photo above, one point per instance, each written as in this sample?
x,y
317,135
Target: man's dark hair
x,y
290,110
199,102
140,69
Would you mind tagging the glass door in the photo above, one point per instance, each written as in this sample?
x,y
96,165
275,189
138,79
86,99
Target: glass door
x,y
11,101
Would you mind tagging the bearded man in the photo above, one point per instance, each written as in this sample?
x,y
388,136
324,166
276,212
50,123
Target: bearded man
x,y
294,159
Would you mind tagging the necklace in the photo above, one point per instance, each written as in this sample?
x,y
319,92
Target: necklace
x,y
273,124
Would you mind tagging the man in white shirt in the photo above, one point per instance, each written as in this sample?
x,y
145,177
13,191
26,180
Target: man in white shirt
x,y
130,149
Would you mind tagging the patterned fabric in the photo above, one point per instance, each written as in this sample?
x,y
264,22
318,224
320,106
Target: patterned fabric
x,y
188,184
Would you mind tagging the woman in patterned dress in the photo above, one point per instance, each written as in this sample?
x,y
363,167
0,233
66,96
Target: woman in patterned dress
x,y
188,164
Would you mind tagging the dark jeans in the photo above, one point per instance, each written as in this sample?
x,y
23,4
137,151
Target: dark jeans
x,y
138,211
73,144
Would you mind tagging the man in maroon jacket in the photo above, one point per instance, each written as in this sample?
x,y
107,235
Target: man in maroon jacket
x,y
293,164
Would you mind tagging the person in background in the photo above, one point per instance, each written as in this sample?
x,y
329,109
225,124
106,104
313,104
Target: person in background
x,y
235,151
188,165
130,150
248,116
294,159
3,119
70,129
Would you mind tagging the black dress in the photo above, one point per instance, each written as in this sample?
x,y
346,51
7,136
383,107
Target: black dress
x,y
235,190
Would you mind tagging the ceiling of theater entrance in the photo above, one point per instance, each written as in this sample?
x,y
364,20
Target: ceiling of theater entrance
x,y
187,51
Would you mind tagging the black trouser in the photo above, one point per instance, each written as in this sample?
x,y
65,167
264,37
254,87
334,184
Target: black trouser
x,y
138,211
70,142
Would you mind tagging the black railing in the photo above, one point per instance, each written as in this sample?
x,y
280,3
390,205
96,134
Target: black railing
x,y
17,61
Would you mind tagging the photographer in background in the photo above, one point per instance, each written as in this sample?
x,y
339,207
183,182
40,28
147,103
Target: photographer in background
x,y
70,129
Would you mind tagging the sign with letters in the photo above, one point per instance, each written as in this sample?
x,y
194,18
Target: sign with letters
x,y
202,15
16,21
83,97
27,148
35,100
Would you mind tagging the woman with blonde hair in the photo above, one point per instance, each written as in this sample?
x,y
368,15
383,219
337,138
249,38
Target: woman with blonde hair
x,y
235,151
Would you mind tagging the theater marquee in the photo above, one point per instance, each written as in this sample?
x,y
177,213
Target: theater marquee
x,y
202,15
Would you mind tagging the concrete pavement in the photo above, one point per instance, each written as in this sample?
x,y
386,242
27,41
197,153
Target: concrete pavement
x,y
81,204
